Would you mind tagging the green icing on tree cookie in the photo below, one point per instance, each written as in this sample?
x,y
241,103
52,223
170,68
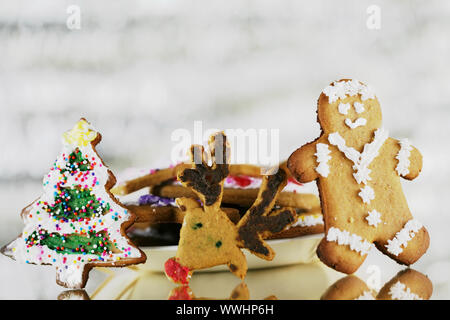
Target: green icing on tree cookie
x,y
90,243
76,163
76,203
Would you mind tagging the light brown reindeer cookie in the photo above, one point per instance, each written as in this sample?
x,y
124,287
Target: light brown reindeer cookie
x,y
208,238
358,167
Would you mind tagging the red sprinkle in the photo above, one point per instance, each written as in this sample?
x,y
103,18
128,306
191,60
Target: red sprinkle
x,y
241,181
176,272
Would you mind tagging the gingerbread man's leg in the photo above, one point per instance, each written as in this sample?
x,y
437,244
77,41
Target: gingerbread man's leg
x,y
339,256
408,244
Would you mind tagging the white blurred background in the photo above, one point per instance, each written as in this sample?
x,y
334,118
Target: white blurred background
x,y
138,70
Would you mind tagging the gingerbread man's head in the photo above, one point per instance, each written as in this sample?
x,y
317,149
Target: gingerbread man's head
x,y
348,107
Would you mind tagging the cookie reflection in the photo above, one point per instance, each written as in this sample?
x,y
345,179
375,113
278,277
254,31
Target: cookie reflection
x,y
408,284
73,295
240,292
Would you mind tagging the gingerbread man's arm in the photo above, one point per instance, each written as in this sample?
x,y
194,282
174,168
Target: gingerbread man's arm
x,y
416,164
302,163
409,160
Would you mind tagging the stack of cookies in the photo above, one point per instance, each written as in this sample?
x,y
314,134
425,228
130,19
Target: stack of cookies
x,y
159,218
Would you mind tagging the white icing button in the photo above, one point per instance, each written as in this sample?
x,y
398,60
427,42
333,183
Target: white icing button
x,y
367,194
373,218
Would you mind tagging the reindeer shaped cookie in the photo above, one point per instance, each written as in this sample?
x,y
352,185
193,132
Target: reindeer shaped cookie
x,y
358,168
208,238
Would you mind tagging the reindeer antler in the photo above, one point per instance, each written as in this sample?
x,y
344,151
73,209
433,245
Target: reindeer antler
x,y
207,181
260,221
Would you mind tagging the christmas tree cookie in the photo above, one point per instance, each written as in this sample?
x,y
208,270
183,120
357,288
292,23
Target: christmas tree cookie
x,y
77,223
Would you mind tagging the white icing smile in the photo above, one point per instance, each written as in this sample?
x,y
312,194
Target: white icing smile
x,y
357,123
359,108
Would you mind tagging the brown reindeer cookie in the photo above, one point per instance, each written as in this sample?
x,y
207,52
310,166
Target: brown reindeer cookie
x,y
208,238
358,167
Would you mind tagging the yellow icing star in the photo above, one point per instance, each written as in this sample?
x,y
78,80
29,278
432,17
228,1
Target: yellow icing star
x,y
80,135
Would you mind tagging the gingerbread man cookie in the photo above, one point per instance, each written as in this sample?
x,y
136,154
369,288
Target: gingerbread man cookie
x,y
358,167
77,223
